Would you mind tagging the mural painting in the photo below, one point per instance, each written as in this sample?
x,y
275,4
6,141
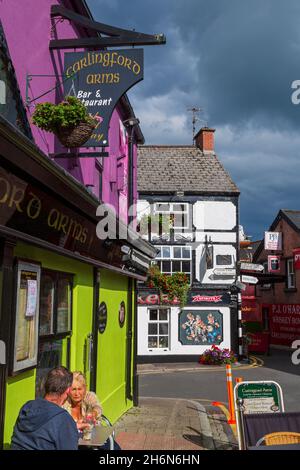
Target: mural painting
x,y
200,327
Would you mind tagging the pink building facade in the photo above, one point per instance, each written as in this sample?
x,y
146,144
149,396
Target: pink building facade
x,y
39,72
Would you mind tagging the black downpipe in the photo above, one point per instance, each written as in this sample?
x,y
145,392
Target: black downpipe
x,y
129,341
135,374
94,358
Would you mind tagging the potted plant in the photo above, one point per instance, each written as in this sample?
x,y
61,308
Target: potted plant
x,y
174,286
68,120
217,356
161,223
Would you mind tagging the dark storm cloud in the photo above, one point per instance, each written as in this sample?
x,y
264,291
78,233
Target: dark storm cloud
x,y
237,60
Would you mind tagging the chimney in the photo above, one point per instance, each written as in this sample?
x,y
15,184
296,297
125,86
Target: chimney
x,y
204,139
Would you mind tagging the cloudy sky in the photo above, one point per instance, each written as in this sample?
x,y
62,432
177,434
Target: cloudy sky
x,y
236,60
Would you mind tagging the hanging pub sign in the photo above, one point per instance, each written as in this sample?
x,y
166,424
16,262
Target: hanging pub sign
x,y
273,263
99,79
273,241
296,252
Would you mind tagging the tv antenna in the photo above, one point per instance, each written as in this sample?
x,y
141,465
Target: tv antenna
x,y
195,111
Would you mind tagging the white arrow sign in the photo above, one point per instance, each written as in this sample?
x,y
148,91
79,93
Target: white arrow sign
x,y
249,279
224,272
252,267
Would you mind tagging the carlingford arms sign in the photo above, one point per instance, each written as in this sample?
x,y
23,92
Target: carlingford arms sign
x,y
99,79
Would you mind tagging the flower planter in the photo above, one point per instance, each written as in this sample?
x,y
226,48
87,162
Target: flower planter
x,y
75,136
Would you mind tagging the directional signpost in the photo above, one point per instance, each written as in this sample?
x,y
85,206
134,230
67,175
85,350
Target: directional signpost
x,y
251,267
249,279
224,272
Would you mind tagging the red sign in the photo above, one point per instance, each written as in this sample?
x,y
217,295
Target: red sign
x,y
284,323
259,342
250,310
207,298
296,252
156,299
273,263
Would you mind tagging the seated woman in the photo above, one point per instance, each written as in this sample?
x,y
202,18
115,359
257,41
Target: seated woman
x,y
82,404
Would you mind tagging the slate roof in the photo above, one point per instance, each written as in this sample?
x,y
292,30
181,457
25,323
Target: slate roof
x,y
163,169
293,216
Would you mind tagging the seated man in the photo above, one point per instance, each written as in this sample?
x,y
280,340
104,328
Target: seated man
x,y
43,424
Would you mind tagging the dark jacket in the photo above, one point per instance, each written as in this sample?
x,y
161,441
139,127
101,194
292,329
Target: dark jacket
x,y
42,425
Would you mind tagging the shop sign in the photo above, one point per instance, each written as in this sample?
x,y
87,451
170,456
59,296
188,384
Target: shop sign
x,y
259,397
250,310
30,210
273,241
284,323
296,252
147,298
273,263
99,79
258,342
102,317
199,298
200,327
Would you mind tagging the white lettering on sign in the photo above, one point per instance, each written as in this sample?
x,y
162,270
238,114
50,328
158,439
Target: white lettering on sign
x,y
204,298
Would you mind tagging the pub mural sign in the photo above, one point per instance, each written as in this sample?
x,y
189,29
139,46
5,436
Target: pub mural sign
x,y
200,327
99,79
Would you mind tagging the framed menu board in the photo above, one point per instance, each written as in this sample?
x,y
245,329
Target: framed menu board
x,y
27,315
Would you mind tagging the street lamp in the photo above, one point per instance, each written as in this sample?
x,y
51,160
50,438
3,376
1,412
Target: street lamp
x,y
130,124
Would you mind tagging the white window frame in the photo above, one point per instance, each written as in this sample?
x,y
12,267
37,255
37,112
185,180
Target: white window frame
x,y
184,213
158,322
290,274
172,258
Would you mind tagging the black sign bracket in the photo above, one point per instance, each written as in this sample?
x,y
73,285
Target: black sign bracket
x,y
117,36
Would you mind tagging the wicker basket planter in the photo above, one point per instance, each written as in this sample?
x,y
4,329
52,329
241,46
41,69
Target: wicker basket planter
x,y
68,120
75,136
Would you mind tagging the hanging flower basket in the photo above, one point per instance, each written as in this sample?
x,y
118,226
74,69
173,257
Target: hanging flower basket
x,y
174,286
68,120
75,136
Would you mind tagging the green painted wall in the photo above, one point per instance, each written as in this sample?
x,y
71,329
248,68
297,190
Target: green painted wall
x,y
111,371
111,366
22,387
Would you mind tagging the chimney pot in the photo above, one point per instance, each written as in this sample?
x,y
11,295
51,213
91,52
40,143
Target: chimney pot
x,y
204,139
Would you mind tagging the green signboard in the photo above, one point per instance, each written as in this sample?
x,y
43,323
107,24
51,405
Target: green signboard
x,y
259,397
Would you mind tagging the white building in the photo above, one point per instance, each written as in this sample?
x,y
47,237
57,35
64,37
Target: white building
x,y
191,187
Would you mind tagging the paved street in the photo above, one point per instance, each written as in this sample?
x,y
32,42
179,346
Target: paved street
x,y
210,384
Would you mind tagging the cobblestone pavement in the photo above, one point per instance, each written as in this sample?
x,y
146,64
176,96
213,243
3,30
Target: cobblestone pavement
x,y
174,424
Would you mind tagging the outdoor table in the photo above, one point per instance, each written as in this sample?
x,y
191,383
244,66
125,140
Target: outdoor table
x,y
100,434
276,447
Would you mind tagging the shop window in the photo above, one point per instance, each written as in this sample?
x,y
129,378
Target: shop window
x,y
158,328
50,355
290,274
55,303
174,259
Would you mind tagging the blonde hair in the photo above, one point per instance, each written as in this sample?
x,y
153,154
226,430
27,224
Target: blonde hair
x,y
80,377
